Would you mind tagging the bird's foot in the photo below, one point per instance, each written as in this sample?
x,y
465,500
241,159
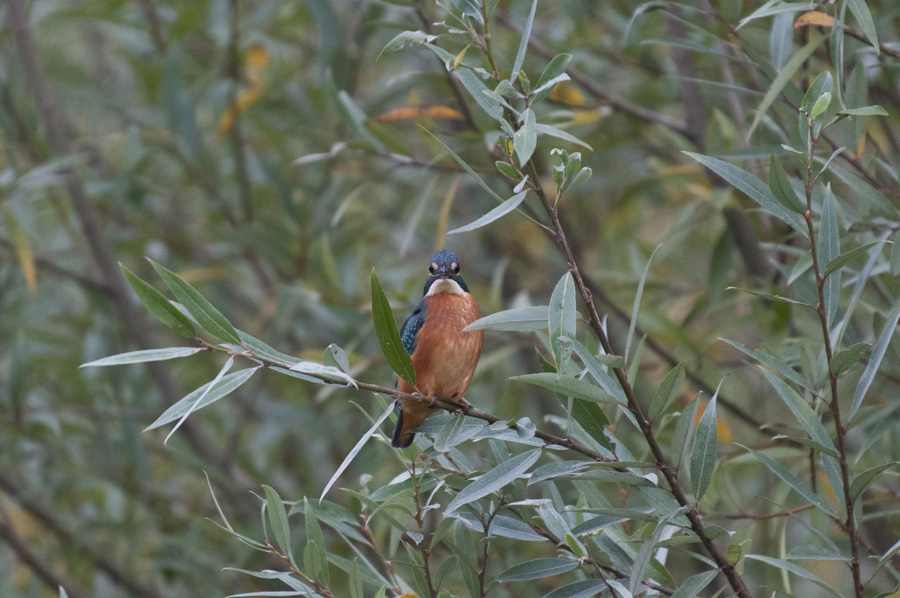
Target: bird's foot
x,y
464,407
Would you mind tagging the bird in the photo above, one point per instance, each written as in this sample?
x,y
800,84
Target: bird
x,y
444,357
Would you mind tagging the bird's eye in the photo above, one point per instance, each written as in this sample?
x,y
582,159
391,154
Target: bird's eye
x,y
455,267
431,268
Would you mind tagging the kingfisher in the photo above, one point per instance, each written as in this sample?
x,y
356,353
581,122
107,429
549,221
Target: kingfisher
x,y
443,356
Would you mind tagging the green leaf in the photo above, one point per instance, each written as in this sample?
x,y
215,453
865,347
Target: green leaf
x,y
356,582
694,585
781,38
895,254
830,249
667,391
507,170
878,352
553,70
567,386
144,356
521,319
773,8
820,106
703,452
784,76
579,589
404,39
773,363
356,449
645,555
863,480
538,569
864,111
209,318
637,304
844,258
794,482
523,43
561,321
795,569
845,359
159,306
860,10
495,479
753,188
502,210
314,535
336,357
388,336
780,185
771,297
684,429
224,386
801,410
525,139
551,131
324,372
818,446
278,519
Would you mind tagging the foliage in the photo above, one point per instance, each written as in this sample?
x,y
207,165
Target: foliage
x,y
727,171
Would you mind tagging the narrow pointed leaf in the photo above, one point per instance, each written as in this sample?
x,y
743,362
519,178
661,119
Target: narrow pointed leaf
x,y
860,10
773,363
278,519
561,320
567,386
637,304
805,415
695,584
550,131
794,482
753,188
780,185
795,569
525,139
523,43
223,387
388,335
878,352
144,356
209,318
194,406
683,431
667,391
521,319
355,451
579,589
159,306
703,452
314,534
495,479
538,569
863,480
844,258
830,249
500,211
844,360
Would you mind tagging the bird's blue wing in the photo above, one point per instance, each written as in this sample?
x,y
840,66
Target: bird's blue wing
x,y
409,332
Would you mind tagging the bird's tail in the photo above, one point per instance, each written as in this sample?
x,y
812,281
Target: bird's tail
x,y
401,439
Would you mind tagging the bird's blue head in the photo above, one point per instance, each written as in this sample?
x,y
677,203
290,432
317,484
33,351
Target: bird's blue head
x,y
444,266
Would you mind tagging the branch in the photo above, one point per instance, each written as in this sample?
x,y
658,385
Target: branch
x,y
51,579
70,538
237,137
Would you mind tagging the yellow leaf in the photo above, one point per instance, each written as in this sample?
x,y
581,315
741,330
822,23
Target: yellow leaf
x,y
24,251
862,146
255,76
814,19
824,483
409,112
459,57
565,92
584,117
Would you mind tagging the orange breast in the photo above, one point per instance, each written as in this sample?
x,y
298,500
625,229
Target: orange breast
x,y
445,357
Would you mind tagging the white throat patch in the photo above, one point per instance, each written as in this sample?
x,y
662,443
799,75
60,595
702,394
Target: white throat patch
x,y
445,285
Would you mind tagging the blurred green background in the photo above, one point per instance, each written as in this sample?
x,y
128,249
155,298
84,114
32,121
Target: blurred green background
x,y
253,147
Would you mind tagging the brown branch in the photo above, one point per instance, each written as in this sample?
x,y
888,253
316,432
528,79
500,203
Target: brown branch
x,y
101,253
237,137
54,581
153,25
834,405
70,538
